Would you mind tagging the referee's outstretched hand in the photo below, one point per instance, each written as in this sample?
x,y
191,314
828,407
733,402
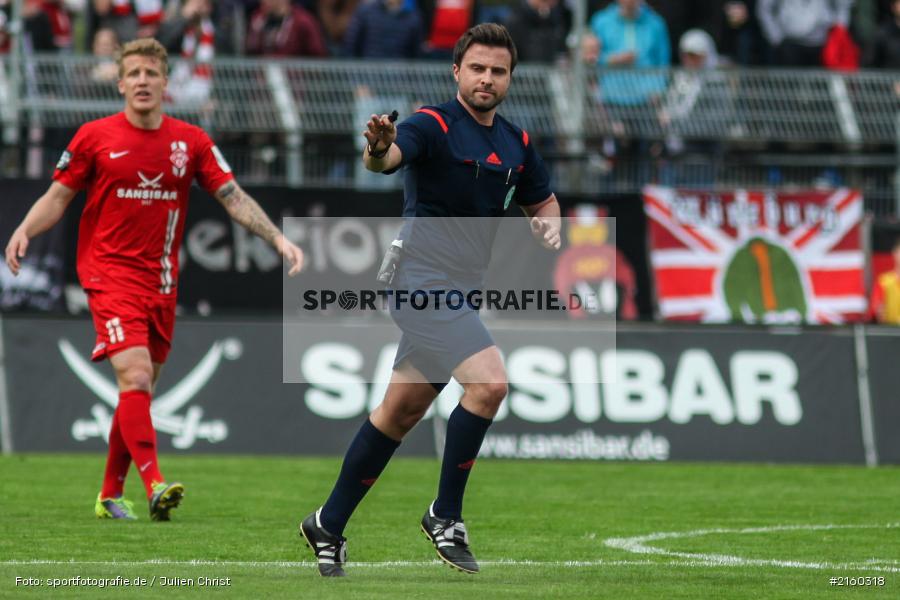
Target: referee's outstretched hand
x,y
380,132
546,231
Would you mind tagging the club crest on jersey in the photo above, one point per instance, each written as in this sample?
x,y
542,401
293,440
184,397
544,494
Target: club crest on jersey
x,y
179,158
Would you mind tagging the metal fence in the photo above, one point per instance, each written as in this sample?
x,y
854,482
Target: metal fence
x,y
298,121
734,104
747,105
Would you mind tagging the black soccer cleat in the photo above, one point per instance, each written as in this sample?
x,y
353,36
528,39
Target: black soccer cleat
x,y
330,549
451,540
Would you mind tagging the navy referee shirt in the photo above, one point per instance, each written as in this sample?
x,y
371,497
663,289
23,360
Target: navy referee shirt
x,y
455,167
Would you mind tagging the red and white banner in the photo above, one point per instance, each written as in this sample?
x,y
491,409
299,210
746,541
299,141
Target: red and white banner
x,y
757,256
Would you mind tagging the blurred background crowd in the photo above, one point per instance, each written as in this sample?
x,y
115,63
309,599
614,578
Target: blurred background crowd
x,y
661,33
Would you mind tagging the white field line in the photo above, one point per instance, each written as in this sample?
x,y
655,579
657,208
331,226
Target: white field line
x,y
640,545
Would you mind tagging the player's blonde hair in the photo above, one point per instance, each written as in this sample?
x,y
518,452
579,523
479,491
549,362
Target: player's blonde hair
x,y
144,47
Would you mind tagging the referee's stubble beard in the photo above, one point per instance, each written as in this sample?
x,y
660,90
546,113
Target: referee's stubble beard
x,y
483,77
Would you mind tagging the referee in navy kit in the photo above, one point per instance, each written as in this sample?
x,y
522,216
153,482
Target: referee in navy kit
x,y
460,160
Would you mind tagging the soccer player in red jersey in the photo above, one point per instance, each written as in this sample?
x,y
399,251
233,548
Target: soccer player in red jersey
x,y
137,167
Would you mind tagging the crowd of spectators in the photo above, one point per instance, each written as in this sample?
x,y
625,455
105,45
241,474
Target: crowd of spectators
x,y
791,33
648,114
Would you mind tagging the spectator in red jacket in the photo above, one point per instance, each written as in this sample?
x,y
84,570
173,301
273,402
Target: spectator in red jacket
x,y
445,21
278,28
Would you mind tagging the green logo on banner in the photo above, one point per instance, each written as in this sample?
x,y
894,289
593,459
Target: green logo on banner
x,y
763,279
509,196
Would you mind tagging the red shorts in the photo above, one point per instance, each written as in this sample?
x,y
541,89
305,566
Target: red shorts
x,y
124,320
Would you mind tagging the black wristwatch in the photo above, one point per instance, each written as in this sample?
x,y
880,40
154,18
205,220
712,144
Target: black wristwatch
x,y
380,154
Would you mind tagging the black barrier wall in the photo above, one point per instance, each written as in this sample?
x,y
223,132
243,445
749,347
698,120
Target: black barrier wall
x,y
682,393
883,353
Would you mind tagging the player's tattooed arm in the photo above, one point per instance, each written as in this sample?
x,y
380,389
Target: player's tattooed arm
x,y
246,211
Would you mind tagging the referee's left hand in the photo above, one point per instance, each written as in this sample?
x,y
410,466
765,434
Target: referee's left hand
x,y
546,231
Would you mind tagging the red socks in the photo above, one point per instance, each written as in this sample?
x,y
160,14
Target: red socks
x,y
117,462
133,417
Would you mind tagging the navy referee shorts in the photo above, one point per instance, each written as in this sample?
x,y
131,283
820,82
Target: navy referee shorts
x,y
437,338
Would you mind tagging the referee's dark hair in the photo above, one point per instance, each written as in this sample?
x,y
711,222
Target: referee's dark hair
x,y
486,34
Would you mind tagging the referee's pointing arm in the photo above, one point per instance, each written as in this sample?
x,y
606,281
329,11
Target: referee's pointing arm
x,y
381,153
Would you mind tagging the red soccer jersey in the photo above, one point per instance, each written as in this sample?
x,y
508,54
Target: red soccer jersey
x,y
138,183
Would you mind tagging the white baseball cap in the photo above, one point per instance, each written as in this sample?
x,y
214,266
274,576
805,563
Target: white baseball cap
x,y
697,41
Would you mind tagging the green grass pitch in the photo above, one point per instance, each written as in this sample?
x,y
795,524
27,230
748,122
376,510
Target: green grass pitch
x,y
540,529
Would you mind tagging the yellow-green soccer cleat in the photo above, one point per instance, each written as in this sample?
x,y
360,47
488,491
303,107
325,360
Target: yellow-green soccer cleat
x,y
166,496
114,508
